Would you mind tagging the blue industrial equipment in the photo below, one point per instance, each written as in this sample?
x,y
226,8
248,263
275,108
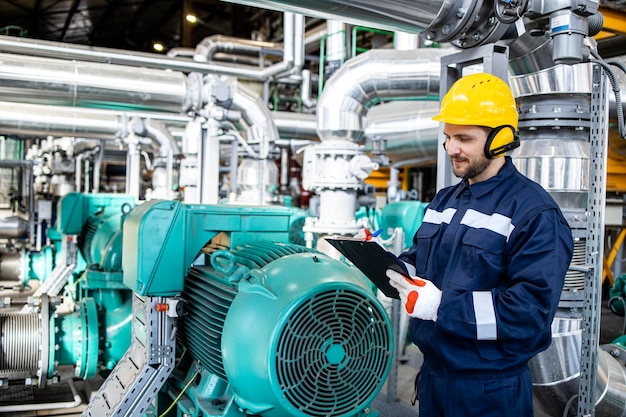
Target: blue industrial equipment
x,y
269,327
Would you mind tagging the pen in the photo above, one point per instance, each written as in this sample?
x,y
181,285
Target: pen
x,y
369,235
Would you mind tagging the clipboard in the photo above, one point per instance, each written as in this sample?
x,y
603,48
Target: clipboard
x,y
372,259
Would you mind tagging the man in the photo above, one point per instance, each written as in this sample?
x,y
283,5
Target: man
x,y
487,265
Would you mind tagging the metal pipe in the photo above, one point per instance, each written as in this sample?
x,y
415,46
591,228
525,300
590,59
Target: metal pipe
x,y
255,115
556,373
209,46
108,56
165,142
293,55
12,265
78,176
44,120
404,15
407,129
295,125
368,79
405,41
133,167
13,227
29,79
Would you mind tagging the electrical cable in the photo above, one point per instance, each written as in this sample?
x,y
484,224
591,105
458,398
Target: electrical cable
x,y
618,98
616,91
569,405
193,378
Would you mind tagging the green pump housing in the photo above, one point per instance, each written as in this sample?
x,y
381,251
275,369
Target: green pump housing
x,y
405,214
271,328
104,307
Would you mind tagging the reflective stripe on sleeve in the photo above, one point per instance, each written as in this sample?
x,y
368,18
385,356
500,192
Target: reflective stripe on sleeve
x,y
438,217
486,328
496,222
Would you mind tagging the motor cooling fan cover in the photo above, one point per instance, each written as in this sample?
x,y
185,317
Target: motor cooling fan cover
x,y
306,336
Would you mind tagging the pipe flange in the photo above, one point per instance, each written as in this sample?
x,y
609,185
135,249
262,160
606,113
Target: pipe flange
x,y
44,314
465,24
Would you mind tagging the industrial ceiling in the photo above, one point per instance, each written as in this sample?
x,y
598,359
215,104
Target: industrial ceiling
x,y
136,25
129,24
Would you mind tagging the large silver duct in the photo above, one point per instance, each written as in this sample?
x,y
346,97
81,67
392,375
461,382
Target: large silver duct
x,y
25,119
370,78
41,120
556,373
29,79
13,227
256,120
405,15
554,124
465,23
72,83
295,125
410,136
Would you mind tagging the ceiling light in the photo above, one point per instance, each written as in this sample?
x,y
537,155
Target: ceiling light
x,y
191,18
158,46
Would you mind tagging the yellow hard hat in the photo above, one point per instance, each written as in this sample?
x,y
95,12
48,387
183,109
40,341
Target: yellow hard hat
x,y
483,99
479,99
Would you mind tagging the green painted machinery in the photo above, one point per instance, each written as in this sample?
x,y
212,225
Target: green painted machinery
x,y
80,318
262,326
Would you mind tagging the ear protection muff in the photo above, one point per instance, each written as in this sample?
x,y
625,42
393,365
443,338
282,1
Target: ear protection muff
x,y
500,140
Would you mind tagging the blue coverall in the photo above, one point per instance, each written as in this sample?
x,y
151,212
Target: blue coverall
x,y
498,250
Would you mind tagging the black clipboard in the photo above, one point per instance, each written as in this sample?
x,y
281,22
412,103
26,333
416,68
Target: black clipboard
x,y
372,259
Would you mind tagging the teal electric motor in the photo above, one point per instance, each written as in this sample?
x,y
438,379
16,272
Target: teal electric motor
x,y
281,330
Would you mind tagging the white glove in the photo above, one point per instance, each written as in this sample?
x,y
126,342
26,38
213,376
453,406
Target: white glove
x,y
421,298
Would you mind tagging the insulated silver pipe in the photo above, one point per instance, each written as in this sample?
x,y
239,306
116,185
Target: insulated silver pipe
x,y
464,23
13,227
58,50
293,54
166,144
407,129
256,118
556,374
11,267
369,78
295,125
85,84
40,120
404,15
209,46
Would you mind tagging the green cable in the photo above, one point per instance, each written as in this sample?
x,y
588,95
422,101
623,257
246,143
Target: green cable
x,y
180,394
